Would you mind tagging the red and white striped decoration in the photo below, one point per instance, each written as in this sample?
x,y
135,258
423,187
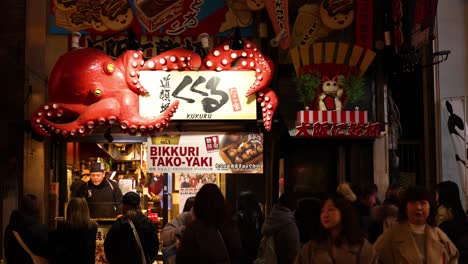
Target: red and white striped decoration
x,y
332,117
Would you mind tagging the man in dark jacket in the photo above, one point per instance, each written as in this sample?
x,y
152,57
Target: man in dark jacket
x,y
121,245
281,224
103,195
366,200
25,221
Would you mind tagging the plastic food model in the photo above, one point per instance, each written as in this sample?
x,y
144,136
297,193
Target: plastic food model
x,y
88,89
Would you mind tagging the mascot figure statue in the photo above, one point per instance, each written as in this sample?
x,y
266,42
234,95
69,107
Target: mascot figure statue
x,y
331,94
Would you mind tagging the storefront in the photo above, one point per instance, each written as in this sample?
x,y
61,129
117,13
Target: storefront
x,y
169,168
163,125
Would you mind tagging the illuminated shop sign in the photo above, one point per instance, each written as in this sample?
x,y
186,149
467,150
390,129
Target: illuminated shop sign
x,y
142,96
206,153
202,95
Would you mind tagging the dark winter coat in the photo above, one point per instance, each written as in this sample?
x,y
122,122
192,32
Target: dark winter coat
x,y
121,247
73,246
103,199
364,214
456,228
34,235
281,224
203,244
250,234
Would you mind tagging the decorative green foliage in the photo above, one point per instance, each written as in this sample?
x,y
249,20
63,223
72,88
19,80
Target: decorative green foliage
x,y
353,87
307,85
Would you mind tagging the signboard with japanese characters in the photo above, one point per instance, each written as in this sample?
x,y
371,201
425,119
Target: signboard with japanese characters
x,y
202,95
215,152
342,124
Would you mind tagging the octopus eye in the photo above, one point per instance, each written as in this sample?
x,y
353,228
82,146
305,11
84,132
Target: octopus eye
x,y
109,68
97,92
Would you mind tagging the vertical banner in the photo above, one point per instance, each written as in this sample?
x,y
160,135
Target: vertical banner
x,y
364,23
212,152
454,146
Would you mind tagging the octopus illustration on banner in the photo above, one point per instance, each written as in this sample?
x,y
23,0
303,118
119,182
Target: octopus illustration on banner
x,y
88,89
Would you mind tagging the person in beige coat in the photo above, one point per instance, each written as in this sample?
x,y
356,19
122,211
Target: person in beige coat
x,y
340,239
414,238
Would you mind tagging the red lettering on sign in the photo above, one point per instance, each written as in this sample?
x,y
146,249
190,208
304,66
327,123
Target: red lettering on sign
x,y
351,130
303,130
338,130
373,130
320,130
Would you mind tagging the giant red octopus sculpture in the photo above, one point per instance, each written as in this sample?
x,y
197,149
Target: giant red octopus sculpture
x,y
88,89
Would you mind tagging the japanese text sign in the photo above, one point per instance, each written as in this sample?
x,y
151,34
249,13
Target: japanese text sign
x,y
202,95
206,153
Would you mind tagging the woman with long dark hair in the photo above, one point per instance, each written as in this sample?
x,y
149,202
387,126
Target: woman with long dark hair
x,y
340,239
451,218
74,241
212,237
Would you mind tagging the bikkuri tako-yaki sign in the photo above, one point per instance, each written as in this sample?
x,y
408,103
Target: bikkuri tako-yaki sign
x,y
206,153
88,89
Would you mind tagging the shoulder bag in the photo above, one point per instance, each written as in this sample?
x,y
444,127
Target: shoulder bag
x,y
224,245
113,195
137,238
35,258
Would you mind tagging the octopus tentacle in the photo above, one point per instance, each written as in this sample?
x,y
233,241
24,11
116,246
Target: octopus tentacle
x,y
88,89
250,58
146,125
178,59
269,103
45,123
133,61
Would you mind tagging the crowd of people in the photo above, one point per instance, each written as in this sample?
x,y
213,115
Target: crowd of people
x,y
411,225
